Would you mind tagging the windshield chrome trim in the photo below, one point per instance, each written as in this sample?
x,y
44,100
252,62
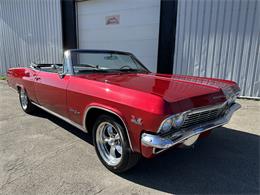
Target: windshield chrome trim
x,y
70,51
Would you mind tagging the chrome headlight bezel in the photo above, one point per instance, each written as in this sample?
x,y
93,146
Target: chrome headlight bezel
x,y
178,120
172,122
166,125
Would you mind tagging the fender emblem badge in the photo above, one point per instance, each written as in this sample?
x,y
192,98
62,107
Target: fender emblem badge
x,y
74,111
137,121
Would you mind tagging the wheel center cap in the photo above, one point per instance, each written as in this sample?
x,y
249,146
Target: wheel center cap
x,y
111,141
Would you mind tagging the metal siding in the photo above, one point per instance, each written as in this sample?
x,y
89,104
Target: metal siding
x,y
30,30
220,38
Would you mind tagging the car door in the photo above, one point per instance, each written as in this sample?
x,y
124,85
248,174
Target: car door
x,y
51,92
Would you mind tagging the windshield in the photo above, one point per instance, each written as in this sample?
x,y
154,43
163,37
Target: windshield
x,y
84,62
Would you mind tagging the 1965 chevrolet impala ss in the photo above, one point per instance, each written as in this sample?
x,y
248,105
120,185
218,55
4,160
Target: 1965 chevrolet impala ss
x,y
129,111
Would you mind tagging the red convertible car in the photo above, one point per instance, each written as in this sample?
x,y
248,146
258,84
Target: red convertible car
x,y
129,111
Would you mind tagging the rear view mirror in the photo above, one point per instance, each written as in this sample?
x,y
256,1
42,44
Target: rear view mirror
x,y
110,57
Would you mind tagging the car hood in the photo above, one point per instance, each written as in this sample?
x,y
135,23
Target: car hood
x,y
193,91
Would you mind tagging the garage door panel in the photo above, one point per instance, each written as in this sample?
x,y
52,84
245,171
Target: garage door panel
x,y
101,6
142,47
137,31
142,16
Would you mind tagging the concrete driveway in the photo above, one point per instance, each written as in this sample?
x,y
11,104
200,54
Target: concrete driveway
x,y
41,154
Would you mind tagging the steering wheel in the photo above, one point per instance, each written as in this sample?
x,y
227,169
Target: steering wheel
x,y
125,66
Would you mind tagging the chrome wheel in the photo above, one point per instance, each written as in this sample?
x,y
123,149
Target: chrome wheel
x,y
109,143
24,99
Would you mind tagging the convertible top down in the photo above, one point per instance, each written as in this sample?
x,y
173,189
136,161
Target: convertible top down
x,y
129,111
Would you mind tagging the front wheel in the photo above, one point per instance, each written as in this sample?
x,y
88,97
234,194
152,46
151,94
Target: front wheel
x,y
25,102
112,145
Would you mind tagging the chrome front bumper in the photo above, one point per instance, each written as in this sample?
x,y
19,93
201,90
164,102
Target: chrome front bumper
x,y
159,142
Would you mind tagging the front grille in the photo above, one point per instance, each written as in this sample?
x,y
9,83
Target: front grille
x,y
203,115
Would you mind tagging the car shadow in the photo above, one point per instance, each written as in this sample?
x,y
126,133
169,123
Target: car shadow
x,y
226,162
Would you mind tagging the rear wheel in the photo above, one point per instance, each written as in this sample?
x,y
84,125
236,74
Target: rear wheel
x,y
112,145
25,102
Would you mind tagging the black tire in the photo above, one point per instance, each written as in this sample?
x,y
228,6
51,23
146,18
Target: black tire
x,y
128,157
28,107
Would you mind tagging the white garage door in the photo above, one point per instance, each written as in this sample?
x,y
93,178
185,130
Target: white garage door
x,y
126,25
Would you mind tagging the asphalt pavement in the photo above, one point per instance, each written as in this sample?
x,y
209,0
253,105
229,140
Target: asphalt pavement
x,y
41,154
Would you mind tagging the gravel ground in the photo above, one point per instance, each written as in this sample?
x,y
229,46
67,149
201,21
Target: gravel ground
x,y
41,154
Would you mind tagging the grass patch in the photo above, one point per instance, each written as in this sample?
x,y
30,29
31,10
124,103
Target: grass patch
x,y
2,77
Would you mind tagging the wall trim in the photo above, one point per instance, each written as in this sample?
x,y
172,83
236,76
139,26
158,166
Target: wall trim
x,y
69,24
167,33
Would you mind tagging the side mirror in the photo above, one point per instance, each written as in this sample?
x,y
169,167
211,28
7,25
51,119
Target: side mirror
x,y
62,75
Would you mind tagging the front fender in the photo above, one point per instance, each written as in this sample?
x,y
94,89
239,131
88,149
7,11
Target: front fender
x,y
112,111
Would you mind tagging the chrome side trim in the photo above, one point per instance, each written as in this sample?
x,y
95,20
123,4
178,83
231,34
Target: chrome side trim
x,y
164,143
61,117
105,109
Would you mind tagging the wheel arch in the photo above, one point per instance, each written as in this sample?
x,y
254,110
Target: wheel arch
x,y
92,112
18,87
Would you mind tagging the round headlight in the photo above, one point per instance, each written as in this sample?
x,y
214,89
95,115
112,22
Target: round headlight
x,y
167,125
177,120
